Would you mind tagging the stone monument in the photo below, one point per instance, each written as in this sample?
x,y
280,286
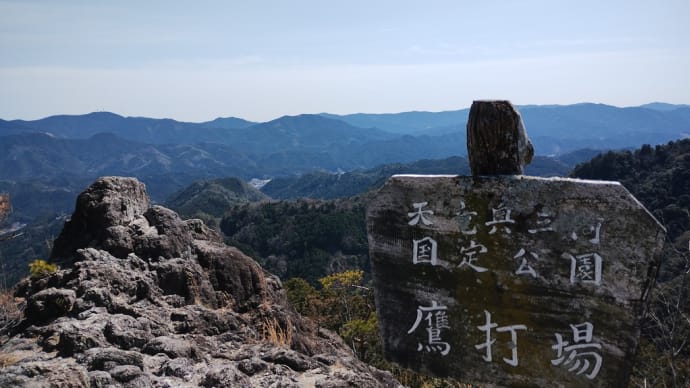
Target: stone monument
x,y
511,280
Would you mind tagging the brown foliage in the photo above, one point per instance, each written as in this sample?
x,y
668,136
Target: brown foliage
x,y
274,333
5,206
10,310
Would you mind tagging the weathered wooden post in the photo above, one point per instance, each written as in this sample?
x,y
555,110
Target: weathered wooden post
x,y
507,279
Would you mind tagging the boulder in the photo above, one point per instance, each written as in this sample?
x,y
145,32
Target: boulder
x,y
512,280
145,299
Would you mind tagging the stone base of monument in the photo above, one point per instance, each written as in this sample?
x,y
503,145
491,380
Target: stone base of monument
x,y
512,280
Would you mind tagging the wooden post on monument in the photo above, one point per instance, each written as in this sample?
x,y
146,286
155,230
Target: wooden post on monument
x,y
511,280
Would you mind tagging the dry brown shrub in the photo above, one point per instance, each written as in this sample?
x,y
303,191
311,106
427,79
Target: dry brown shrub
x,y
10,310
276,334
4,205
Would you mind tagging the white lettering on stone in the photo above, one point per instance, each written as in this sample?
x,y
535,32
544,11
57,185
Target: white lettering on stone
x,y
591,230
470,254
577,356
585,268
436,319
596,230
419,214
525,268
466,218
425,251
488,344
500,217
543,222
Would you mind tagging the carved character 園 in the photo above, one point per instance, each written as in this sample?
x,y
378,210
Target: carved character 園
x,y
585,268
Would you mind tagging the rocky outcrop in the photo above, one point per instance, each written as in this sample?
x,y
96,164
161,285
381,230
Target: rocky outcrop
x,y
147,299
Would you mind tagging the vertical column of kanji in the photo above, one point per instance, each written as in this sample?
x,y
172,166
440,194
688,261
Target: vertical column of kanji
x,y
581,355
497,144
585,267
434,317
424,250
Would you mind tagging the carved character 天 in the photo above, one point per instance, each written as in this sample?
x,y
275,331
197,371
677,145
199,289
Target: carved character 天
x,y
419,214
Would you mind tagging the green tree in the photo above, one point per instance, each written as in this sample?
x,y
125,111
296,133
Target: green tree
x,y
39,268
302,296
363,336
345,298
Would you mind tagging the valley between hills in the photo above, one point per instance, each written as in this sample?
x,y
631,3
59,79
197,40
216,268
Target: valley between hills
x,y
302,216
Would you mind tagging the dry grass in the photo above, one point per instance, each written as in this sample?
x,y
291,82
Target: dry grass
x,y
276,334
10,311
4,205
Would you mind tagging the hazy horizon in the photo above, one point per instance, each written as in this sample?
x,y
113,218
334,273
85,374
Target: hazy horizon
x,y
263,60
320,113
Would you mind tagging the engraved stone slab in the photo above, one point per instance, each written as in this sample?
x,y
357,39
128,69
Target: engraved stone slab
x,y
512,280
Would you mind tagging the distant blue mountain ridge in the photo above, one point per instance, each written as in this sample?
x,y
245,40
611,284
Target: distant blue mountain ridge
x,y
45,163
555,129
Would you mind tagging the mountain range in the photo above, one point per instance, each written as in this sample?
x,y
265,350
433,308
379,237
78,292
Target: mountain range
x,y
104,143
553,128
45,163
326,185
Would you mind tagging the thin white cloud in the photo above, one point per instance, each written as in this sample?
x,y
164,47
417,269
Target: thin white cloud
x,y
263,93
262,60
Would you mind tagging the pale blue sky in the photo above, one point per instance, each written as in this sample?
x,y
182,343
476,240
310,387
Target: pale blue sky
x,y
197,60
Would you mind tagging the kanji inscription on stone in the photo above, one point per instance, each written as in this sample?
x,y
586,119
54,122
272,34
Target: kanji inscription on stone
x,y
537,282
512,280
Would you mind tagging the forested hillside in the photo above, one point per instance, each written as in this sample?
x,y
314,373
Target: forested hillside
x,y
45,164
310,239
208,200
313,238
658,176
326,185
305,238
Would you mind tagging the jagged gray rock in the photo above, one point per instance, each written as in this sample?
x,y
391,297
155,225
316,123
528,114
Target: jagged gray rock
x,y
147,299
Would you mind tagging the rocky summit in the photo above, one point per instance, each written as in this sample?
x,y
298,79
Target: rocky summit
x,y
146,299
